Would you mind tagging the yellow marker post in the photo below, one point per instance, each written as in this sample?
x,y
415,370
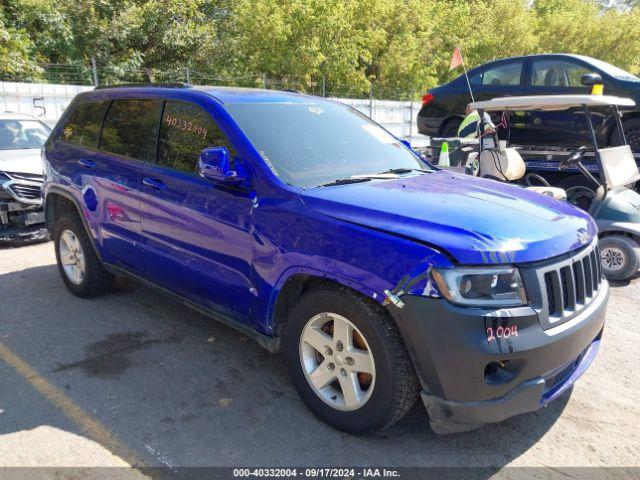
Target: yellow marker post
x,y
597,89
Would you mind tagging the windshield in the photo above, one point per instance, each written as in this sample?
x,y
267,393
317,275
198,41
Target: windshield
x,y
614,71
309,145
19,134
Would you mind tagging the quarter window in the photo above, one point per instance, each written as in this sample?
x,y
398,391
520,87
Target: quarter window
x,y
557,73
185,131
131,129
505,74
83,126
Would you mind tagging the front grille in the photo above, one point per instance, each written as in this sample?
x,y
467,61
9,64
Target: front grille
x,y
570,288
28,192
566,287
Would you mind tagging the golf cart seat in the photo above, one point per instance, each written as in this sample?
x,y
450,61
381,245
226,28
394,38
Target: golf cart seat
x,y
506,165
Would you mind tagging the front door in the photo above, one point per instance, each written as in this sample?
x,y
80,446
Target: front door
x,y
564,127
196,234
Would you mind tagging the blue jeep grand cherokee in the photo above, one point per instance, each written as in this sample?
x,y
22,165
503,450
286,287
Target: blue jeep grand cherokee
x,y
310,228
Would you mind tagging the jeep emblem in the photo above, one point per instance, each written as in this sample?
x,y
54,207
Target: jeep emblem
x,y
583,236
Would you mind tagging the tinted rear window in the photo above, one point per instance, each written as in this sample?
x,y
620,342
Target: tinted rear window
x,y
83,126
131,129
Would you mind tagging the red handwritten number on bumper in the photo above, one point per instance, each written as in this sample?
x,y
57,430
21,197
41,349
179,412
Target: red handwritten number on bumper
x,y
502,332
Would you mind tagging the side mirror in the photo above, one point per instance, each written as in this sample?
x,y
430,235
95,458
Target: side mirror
x,y
215,165
590,79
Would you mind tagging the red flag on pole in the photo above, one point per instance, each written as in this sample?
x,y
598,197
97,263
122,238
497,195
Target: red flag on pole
x,y
456,59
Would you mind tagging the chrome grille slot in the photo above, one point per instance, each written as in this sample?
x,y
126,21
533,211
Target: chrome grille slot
x,y
578,275
32,177
566,287
25,192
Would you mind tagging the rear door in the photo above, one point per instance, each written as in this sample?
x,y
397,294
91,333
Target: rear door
x,y
197,239
103,176
556,76
500,79
128,140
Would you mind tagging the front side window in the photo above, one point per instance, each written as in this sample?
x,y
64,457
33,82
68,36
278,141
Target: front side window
x,y
185,131
83,126
505,74
313,144
131,129
22,134
557,73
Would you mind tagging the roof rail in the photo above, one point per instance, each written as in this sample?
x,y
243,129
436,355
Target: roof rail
x,y
155,85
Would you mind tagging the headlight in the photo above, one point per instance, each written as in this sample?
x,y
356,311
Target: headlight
x,y
486,287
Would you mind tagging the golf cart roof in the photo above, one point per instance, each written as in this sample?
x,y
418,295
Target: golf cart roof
x,y
551,102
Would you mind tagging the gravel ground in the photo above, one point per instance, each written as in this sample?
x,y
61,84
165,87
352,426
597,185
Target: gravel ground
x,y
134,378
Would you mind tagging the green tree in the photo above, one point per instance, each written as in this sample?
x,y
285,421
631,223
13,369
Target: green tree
x,y
16,53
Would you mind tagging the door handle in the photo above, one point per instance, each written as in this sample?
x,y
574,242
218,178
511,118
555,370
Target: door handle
x,y
87,163
154,183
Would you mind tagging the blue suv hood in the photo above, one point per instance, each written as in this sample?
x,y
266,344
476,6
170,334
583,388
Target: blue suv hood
x,y
476,221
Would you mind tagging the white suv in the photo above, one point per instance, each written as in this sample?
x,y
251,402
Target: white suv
x,y
21,175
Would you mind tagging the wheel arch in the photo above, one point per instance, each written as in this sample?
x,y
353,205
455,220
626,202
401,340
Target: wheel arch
x,y
448,120
59,202
611,124
296,281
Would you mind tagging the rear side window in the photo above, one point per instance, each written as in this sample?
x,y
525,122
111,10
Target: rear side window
x,y
83,126
131,129
185,131
505,74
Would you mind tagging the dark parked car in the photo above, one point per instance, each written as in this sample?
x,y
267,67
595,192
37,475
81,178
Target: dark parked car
x,y
443,107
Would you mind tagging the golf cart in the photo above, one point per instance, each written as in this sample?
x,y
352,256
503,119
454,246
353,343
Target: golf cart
x,y
615,207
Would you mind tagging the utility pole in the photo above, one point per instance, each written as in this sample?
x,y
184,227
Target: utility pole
x,y
371,100
324,86
94,71
187,74
264,81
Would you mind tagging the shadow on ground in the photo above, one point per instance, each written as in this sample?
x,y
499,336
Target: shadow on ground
x,y
182,390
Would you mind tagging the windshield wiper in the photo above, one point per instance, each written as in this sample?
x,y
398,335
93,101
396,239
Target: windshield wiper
x,y
346,181
399,171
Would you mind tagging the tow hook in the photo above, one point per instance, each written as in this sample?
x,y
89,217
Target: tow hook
x,y
394,299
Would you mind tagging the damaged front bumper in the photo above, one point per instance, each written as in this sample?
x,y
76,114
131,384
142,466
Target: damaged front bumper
x,y
21,213
470,376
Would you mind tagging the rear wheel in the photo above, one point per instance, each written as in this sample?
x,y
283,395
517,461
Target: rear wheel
x,y
620,257
450,128
79,266
348,362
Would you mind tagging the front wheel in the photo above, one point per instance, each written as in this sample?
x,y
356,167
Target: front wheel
x,y
620,257
348,362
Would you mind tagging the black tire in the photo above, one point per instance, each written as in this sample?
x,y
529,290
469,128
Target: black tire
x,y
395,388
450,128
631,132
580,191
620,257
96,280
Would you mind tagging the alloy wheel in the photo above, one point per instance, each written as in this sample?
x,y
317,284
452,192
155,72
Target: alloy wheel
x,y
72,257
613,259
337,361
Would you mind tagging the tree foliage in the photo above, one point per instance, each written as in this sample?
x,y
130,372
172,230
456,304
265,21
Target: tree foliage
x,y
400,46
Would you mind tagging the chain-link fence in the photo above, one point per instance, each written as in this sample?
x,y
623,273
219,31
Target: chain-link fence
x,y
47,93
96,73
